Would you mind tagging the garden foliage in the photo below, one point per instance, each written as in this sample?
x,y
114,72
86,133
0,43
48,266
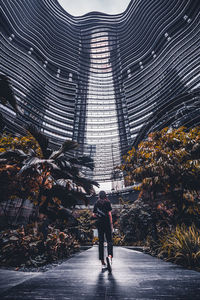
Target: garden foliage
x,y
135,222
84,232
166,170
52,180
182,246
168,163
26,246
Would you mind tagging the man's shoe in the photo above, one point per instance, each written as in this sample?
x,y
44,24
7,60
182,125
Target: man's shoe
x,y
109,263
103,264
103,267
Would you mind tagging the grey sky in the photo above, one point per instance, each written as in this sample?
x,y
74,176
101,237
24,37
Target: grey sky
x,y
81,7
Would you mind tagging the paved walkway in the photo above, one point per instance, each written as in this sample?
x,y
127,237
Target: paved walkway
x,y
135,276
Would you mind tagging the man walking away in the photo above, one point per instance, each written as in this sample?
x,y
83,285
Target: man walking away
x,y
102,211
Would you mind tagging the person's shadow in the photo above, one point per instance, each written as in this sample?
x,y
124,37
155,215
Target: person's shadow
x,y
106,286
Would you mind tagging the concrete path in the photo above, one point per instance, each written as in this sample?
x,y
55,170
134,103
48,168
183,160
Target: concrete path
x,y
135,276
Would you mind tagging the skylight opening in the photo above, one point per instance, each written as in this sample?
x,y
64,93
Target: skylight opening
x,y
79,7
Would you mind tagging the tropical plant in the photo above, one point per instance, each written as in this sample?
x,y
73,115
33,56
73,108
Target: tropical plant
x,y
10,183
26,247
14,188
168,162
169,159
182,246
118,238
135,222
84,232
24,143
54,177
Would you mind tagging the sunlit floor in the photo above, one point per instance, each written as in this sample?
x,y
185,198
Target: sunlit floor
x,y
135,276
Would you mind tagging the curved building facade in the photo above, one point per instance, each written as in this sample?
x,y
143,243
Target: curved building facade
x,y
102,80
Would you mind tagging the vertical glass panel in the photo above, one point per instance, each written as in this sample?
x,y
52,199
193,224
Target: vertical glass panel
x,y
101,114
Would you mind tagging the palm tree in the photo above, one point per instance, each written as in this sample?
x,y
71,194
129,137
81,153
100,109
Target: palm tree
x,y
60,181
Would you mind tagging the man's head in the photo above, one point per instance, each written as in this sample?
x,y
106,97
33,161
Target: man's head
x,y
102,195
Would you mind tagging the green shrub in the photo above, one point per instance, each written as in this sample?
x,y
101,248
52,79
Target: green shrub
x,y
26,247
118,238
182,246
135,222
84,232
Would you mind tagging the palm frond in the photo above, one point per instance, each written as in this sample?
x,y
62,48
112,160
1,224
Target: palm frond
x,y
85,161
69,145
61,182
64,194
63,163
74,197
41,139
65,147
86,183
59,174
32,153
33,162
66,214
69,194
13,154
66,170
3,161
80,197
